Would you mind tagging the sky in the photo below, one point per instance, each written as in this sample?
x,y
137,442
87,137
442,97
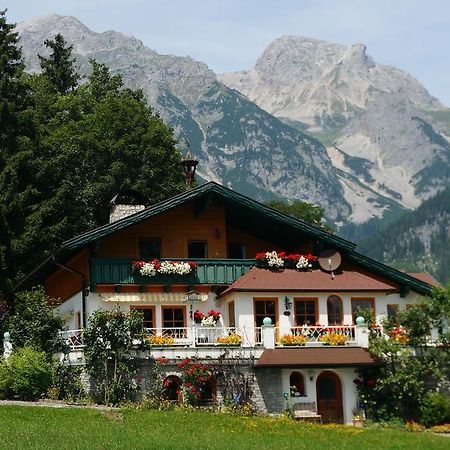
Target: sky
x,y
228,35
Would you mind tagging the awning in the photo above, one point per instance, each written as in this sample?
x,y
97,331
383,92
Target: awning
x,y
317,357
148,297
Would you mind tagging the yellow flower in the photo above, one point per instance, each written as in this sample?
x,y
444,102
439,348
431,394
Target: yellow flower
x,y
160,340
333,339
293,339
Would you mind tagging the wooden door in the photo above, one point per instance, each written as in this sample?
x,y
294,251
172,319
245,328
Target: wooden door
x,y
329,397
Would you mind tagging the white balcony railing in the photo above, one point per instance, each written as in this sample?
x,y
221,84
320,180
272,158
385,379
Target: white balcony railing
x,y
73,339
314,333
211,336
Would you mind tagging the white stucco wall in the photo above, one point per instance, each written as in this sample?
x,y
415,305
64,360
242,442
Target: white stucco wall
x,y
70,310
310,375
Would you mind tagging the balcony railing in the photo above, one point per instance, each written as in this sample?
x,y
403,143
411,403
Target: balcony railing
x,y
73,339
208,271
316,333
214,336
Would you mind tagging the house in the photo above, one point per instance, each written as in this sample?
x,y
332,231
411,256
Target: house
x,y
205,241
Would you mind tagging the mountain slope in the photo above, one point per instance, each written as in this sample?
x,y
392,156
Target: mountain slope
x,y
238,143
376,116
417,241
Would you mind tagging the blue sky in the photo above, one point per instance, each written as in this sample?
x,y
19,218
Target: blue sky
x,y
413,35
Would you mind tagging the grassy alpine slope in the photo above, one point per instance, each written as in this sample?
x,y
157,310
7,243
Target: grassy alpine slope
x,y
64,428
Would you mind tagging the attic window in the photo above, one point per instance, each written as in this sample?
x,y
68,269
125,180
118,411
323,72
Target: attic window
x,y
150,248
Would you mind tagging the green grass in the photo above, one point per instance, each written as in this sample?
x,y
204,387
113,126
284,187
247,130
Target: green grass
x,y
50,428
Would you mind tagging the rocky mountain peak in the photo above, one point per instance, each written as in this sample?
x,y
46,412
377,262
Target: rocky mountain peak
x,y
237,143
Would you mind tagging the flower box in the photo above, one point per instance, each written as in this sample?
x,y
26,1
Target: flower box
x,y
232,339
156,340
289,340
333,339
280,260
157,267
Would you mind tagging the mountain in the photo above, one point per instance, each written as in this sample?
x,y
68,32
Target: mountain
x,y
238,143
417,241
388,138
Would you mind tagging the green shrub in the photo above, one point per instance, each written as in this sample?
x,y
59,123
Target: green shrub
x,y
67,383
34,322
26,375
435,409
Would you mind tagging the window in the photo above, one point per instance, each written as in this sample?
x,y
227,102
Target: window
x,y
358,304
296,384
236,251
334,310
171,385
149,315
150,248
305,311
231,315
173,316
265,308
197,249
392,311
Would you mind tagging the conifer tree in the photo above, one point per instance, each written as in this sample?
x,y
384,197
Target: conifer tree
x,y
59,67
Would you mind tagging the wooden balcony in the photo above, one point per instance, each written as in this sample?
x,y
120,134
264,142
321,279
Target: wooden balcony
x,y
208,271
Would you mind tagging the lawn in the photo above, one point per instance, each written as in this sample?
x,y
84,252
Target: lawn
x,y
23,427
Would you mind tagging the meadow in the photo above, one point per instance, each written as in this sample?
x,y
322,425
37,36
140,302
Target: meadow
x,y
26,427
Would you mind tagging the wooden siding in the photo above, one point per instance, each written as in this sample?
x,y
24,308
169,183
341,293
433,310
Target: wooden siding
x,y
62,283
175,228
254,245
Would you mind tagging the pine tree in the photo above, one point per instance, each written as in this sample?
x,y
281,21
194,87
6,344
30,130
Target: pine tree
x,y
59,67
15,133
12,90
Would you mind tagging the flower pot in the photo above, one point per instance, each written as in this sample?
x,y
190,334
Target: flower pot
x,y
358,423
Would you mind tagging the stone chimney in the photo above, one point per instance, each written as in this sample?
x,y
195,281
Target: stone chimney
x,y
124,204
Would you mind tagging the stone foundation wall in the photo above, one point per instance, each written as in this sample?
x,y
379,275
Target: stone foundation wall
x,y
263,386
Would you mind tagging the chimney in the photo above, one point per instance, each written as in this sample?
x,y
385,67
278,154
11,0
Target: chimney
x,y
124,204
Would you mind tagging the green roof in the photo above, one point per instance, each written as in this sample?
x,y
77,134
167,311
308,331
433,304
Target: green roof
x,y
208,192
244,211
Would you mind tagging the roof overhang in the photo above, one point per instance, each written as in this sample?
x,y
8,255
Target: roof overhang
x,y
317,357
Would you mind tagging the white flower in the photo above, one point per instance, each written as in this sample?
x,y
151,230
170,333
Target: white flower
x,y
273,260
148,270
303,263
208,321
165,268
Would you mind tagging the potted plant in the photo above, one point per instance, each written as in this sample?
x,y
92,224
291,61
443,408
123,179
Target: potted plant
x,y
358,418
333,339
211,318
293,339
198,316
232,339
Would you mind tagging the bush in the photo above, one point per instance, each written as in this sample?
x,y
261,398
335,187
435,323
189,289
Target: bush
x,y
435,409
34,322
66,383
26,375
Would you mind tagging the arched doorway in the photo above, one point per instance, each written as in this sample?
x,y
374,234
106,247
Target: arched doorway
x,y
171,387
329,397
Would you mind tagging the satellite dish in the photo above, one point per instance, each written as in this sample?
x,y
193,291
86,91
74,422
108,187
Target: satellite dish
x,y
329,260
